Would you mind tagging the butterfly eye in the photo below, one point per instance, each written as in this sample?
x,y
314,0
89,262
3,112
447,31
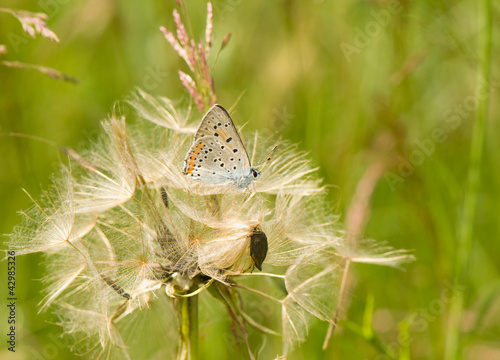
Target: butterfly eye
x,y
255,173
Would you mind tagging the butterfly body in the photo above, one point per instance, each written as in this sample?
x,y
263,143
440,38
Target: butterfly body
x,y
218,156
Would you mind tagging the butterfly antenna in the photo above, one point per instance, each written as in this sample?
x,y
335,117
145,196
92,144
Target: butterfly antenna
x,y
263,160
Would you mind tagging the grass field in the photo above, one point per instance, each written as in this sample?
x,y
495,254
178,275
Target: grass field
x,y
395,101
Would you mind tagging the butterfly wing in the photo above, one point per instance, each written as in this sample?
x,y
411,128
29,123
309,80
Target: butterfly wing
x,y
217,155
205,162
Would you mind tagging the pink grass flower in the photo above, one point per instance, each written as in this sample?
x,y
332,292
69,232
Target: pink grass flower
x,y
200,85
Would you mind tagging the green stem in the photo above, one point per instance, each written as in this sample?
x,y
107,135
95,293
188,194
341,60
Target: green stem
x,y
193,326
188,347
465,226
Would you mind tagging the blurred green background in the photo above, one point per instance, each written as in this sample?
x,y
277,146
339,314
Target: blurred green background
x,y
355,83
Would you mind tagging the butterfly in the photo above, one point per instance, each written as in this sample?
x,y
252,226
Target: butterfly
x,y
218,156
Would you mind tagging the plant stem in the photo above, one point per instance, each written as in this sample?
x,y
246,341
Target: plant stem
x,y
188,347
466,223
193,326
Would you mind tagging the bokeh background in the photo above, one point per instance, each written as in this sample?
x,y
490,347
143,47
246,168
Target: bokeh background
x,y
356,83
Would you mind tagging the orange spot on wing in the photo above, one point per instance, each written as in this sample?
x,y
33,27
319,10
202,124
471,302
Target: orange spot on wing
x,y
192,158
